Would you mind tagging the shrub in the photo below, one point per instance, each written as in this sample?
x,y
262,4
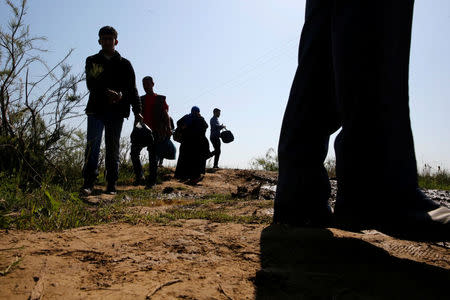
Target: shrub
x,y
439,179
269,162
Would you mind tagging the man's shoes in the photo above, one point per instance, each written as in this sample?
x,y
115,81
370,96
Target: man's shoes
x,y
149,185
111,188
87,188
215,167
85,191
139,181
417,218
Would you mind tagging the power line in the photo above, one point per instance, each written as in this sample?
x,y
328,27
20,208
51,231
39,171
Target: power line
x,y
260,61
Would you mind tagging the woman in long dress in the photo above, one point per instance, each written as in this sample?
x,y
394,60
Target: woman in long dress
x,y
194,148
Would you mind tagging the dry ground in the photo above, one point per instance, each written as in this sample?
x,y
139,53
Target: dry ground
x,y
203,259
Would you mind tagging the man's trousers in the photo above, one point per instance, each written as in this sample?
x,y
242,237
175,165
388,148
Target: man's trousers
x,y
352,73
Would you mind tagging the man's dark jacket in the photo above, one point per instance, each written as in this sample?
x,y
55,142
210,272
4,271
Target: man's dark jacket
x,y
116,74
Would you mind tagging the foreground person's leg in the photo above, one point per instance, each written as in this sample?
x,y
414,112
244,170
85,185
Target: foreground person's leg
x,y
376,165
310,117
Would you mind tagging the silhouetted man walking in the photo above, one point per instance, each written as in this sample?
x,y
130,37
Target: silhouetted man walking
x,y
353,72
112,89
216,127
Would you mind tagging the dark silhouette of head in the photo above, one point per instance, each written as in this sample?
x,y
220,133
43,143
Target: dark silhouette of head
x,y
148,84
107,30
107,38
195,110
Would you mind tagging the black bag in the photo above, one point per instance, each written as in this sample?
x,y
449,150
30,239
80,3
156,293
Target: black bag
x,y
142,135
178,135
166,149
226,136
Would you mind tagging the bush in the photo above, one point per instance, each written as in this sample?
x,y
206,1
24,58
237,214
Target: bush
x,y
46,208
439,179
269,162
34,138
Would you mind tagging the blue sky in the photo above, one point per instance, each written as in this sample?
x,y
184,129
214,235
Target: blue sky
x,y
239,56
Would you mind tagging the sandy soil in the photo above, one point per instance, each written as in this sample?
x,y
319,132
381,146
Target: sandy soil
x,y
200,259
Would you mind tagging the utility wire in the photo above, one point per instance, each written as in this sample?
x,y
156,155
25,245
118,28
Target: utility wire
x,y
246,69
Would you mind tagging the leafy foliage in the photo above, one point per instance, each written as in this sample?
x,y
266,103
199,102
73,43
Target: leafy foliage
x,y
439,179
269,162
34,137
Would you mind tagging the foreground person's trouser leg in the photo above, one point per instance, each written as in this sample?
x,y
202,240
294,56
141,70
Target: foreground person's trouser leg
x,y
310,117
371,45
371,42
376,168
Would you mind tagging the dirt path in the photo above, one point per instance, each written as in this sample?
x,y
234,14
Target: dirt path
x,y
201,259
123,261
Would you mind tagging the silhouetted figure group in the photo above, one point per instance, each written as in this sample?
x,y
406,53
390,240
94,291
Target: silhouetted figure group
x,y
353,74
112,85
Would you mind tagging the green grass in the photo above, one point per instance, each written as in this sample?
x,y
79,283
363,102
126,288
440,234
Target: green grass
x,y
53,208
439,180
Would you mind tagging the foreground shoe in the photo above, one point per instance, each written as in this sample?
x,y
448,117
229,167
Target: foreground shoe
x,y
419,218
433,225
111,189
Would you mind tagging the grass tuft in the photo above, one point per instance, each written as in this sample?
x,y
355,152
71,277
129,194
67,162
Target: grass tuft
x,y
438,180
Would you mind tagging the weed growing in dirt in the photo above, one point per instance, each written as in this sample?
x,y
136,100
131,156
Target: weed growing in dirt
x,y
53,208
439,179
269,162
46,208
11,266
